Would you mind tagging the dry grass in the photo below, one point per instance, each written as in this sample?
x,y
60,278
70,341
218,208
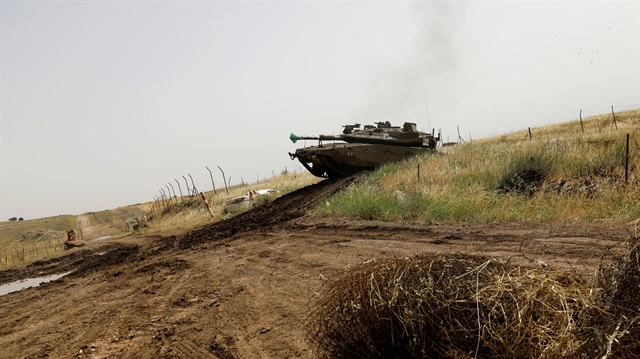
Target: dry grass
x,y
118,221
462,306
15,232
615,327
22,242
187,213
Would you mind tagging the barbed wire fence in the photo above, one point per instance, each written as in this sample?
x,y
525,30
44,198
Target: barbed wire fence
x,y
16,254
167,196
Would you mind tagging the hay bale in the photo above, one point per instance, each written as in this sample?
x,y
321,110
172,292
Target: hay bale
x,y
458,306
74,243
615,325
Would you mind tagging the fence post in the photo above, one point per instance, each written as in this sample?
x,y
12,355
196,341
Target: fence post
x,y
180,189
168,190
581,125
194,185
187,186
614,117
164,203
460,139
174,192
626,162
530,135
207,203
224,179
213,184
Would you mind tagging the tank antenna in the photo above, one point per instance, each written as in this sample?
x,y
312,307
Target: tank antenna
x,y
426,105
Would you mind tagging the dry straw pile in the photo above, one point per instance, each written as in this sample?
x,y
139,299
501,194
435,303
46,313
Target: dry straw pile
x,y
615,326
463,306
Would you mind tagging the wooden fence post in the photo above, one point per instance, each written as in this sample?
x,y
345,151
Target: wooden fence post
x,y
581,125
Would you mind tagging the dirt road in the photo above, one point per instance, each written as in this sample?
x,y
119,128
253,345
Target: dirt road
x,y
241,288
86,231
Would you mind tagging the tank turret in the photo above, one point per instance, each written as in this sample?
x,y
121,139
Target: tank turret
x,y
362,149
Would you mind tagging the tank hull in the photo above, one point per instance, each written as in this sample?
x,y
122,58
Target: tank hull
x,y
344,159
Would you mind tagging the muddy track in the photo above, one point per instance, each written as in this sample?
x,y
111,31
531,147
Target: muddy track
x,y
81,262
283,209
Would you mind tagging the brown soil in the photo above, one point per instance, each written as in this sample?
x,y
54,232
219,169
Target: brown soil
x,y
241,288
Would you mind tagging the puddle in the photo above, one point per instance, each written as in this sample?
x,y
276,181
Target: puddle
x,y
104,237
29,282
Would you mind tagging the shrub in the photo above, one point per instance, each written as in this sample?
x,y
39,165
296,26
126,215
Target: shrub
x,y
525,173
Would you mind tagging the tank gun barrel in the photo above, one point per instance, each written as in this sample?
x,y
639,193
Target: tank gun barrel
x,y
294,138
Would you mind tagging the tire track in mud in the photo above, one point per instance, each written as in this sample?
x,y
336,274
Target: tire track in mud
x,y
283,209
187,349
81,263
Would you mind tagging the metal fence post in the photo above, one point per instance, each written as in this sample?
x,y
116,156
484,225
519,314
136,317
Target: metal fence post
x,y
187,186
213,184
180,189
224,179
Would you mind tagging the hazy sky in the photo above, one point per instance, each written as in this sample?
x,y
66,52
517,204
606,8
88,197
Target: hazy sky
x,y
105,102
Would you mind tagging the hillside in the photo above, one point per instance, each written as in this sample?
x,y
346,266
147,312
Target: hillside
x,y
560,173
248,285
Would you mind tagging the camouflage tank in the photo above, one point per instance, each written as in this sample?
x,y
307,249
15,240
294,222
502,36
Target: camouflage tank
x,y
362,149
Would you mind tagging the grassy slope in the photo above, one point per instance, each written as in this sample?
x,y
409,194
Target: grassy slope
x,y
191,213
560,174
25,241
11,232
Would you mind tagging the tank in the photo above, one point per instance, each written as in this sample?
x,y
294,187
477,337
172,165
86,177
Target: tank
x,y
359,149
